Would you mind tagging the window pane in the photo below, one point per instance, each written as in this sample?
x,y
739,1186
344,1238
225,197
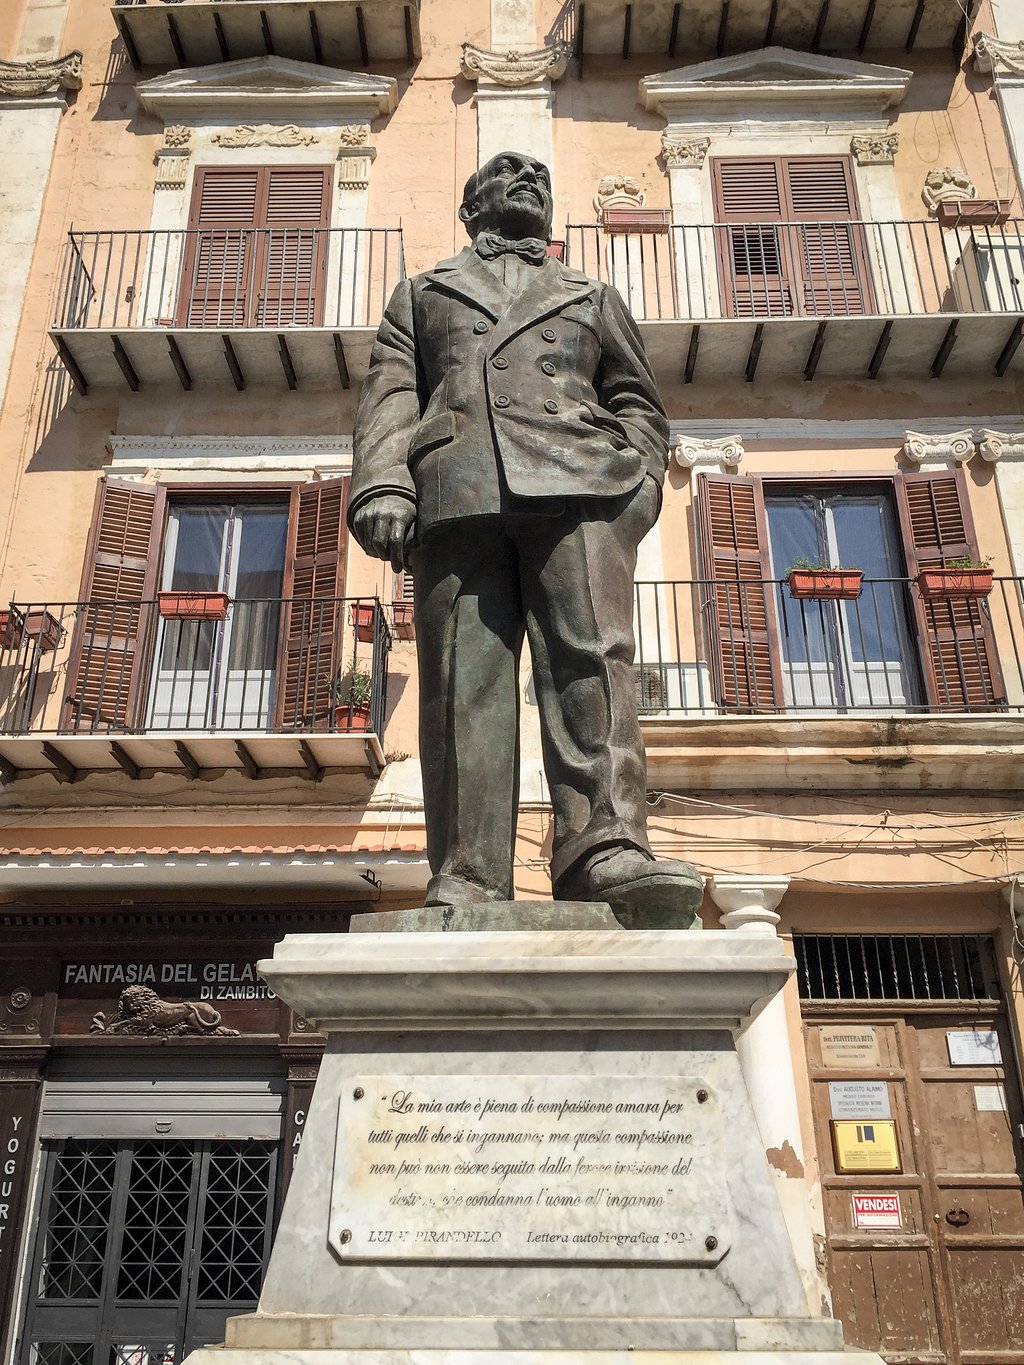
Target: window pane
x,y
199,548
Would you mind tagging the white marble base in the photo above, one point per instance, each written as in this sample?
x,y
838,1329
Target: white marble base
x,y
623,1014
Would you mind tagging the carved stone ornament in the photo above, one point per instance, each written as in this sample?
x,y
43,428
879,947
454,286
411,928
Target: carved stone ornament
x,y
25,79
1001,445
998,55
684,152
691,451
619,192
142,1014
177,135
956,445
171,169
514,68
354,135
354,171
265,135
947,185
874,149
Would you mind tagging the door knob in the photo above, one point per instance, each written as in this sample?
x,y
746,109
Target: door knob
x,y
958,1218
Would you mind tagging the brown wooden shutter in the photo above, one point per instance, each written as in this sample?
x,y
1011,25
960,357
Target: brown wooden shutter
x,y
108,663
220,250
738,602
786,268
960,663
314,624
292,265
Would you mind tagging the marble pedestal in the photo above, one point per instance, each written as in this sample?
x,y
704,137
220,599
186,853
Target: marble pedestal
x,y
588,1052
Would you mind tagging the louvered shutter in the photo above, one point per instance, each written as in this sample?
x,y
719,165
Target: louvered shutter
x,y
754,268
314,624
292,262
116,627
738,603
960,663
830,256
217,270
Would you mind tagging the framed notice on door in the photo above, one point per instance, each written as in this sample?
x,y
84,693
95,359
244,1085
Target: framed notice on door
x,y
866,1146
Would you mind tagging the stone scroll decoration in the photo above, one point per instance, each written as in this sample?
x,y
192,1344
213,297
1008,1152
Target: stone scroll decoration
x,y
998,55
874,149
142,1014
947,185
265,135
1001,445
619,192
684,153
515,68
692,451
23,80
921,449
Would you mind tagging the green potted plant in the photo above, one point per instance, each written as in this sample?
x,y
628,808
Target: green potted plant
x,y
349,693
809,578
964,576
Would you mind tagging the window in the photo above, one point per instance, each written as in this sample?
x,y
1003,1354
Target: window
x,y
891,649
278,555
788,245
256,249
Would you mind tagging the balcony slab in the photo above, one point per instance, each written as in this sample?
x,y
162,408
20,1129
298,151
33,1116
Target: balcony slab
x,y
327,32
68,756
699,26
312,351
835,753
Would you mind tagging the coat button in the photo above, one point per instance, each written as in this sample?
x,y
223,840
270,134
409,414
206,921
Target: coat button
x,y
501,363
502,401
548,334
547,367
480,326
550,406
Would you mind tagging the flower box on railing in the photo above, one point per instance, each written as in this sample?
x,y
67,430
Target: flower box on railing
x,y
193,606
353,717
362,620
43,630
973,212
402,617
12,627
832,584
939,584
556,249
636,220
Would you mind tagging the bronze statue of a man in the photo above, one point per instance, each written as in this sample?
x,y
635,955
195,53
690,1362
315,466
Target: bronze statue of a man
x,y
510,447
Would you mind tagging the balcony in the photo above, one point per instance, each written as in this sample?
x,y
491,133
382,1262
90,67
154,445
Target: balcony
x,y
190,683
839,298
741,684
258,306
708,28
182,33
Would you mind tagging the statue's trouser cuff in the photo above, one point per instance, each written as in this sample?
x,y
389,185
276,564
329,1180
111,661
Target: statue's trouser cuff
x,y
579,850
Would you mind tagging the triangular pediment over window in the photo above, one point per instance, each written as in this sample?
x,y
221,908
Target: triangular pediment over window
x,y
774,79
267,88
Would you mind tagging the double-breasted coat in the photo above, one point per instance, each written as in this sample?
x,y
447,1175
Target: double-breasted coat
x,y
529,433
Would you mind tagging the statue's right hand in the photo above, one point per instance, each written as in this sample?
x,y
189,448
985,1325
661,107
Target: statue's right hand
x,y
384,527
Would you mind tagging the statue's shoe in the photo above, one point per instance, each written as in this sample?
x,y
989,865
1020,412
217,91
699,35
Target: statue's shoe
x,y
642,892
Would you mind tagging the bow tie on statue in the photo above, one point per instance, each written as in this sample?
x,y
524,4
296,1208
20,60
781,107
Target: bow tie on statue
x,y
529,249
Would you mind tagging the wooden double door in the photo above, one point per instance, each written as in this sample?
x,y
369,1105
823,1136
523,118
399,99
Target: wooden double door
x,y
945,1286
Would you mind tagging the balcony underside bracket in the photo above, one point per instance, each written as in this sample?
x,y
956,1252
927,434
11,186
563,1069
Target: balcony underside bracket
x,y
314,38
65,769
313,767
129,42
1010,349
819,28
865,28
72,366
410,50
236,370
175,37
372,761
884,338
8,771
247,761
222,38
627,25
286,362
364,50
915,24
673,37
124,761
814,355
342,363
755,353
691,354
268,37
723,28
178,361
124,364
946,345
187,759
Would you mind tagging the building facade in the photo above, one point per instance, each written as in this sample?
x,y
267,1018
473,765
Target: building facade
x,y
208,696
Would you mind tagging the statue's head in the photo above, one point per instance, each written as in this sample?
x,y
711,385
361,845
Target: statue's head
x,y
510,194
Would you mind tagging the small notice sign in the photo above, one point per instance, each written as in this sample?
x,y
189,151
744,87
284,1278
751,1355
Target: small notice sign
x,y
877,1211
866,1146
859,1100
973,1047
843,1045
990,1099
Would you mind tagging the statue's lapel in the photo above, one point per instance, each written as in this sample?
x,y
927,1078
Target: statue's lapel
x,y
466,276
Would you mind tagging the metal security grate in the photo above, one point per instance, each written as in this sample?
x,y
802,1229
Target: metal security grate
x,y
62,1353
236,1216
896,967
79,1226
154,1244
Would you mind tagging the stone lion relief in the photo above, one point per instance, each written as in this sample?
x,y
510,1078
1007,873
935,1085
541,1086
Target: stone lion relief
x,y
142,1014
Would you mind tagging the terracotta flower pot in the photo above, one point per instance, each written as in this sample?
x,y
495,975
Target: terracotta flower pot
x,y
402,616
833,584
193,606
936,584
43,630
12,627
353,717
362,619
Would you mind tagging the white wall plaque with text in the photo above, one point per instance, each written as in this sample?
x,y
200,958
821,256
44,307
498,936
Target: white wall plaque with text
x,y
544,1168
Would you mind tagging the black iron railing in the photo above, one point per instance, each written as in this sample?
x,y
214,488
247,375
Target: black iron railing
x,y
827,269
708,647
228,278
190,661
